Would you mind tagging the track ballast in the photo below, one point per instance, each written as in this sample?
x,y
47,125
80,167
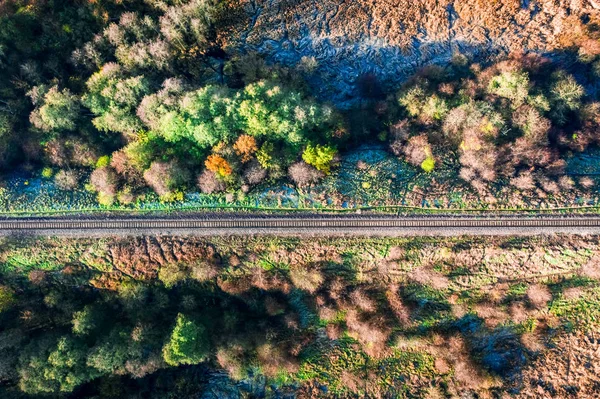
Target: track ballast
x,y
322,225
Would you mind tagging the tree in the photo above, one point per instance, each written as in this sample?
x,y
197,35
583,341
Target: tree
x,y
66,179
245,146
114,98
164,177
209,183
188,343
216,114
218,165
56,110
7,298
320,156
303,174
111,355
104,181
58,368
566,91
511,85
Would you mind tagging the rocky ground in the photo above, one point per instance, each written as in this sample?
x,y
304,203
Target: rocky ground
x,y
392,38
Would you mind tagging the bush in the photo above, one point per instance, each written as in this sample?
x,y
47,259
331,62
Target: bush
x,y
321,157
428,164
66,179
47,173
103,161
538,295
209,183
303,174
164,177
306,278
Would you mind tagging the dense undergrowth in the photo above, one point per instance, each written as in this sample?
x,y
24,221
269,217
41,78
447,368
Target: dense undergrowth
x,y
228,317
120,99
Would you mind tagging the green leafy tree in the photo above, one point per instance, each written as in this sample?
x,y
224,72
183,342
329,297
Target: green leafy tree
x,y
320,156
188,343
112,353
56,110
567,92
84,321
213,114
58,368
511,85
114,98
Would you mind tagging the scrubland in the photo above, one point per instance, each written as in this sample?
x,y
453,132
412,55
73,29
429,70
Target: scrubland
x,y
225,317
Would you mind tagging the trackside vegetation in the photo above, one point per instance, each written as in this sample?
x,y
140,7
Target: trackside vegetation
x,y
271,317
122,100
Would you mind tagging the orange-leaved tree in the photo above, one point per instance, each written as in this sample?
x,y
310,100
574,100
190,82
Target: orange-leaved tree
x,y
218,164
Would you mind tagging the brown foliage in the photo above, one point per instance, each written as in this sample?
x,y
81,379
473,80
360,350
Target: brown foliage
x,y
209,183
104,180
245,146
163,177
218,164
303,174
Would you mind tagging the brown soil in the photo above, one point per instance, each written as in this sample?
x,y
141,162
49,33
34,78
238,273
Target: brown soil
x,y
392,38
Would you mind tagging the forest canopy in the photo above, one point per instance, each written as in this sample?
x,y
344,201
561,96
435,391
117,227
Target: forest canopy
x,y
123,98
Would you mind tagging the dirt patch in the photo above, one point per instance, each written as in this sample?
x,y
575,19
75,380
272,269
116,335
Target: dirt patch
x,y
393,38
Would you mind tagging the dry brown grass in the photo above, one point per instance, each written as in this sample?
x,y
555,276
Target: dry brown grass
x,y
428,276
538,296
306,278
569,369
371,332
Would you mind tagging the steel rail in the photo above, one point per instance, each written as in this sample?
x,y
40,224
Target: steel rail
x,y
295,224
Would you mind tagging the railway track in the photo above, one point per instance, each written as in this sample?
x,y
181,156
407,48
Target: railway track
x,y
377,225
